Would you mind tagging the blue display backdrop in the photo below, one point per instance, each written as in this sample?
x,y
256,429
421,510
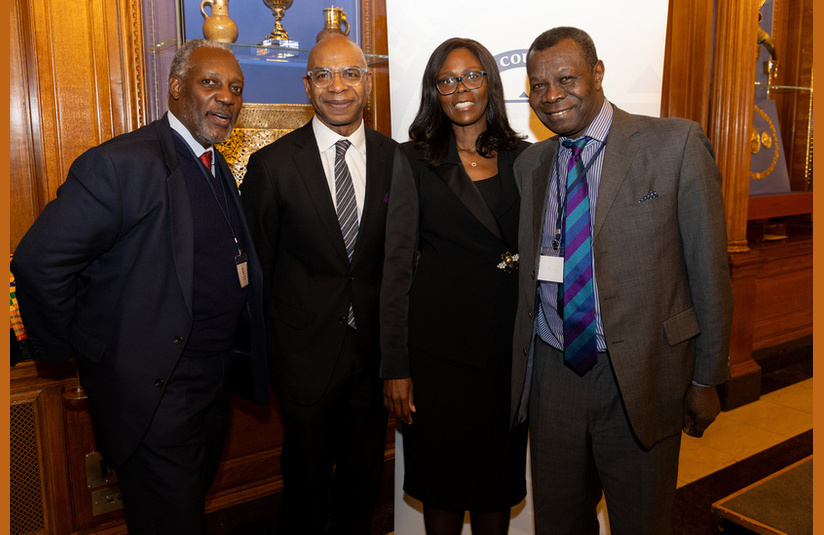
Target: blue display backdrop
x,y
268,79
768,166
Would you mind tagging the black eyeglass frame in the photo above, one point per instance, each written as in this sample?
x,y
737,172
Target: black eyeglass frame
x,y
459,80
332,73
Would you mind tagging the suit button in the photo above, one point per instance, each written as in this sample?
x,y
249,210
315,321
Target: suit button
x,y
532,273
177,340
159,383
342,319
526,352
351,278
529,313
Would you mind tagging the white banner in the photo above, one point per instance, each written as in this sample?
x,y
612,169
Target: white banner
x,y
630,38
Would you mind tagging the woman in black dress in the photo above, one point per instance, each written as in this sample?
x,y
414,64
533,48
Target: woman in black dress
x,y
449,297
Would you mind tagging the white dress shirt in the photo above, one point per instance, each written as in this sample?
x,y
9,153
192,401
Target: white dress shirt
x,y
355,158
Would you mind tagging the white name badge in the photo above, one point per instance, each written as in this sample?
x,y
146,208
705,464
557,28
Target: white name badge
x,y
551,269
242,270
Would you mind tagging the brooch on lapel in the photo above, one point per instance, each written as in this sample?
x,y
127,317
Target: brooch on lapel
x,y
509,262
648,196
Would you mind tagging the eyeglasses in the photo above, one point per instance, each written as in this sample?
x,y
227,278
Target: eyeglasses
x,y
470,80
323,76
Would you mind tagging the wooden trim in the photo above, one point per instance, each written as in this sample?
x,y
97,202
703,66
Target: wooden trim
x,y
374,41
787,204
134,111
687,59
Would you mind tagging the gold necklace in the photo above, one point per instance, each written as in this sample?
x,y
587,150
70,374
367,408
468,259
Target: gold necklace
x,y
470,151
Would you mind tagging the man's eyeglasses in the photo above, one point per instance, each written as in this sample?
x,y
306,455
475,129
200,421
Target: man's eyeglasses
x,y
470,80
323,76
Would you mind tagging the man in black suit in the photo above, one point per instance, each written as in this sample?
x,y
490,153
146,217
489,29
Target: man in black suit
x,y
143,270
321,292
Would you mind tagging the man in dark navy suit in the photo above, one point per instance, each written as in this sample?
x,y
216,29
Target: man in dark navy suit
x,y
143,270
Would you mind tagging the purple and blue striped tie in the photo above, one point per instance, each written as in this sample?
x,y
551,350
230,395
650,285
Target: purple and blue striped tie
x,y
580,348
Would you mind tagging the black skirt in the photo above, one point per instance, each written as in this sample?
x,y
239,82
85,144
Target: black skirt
x,y
459,453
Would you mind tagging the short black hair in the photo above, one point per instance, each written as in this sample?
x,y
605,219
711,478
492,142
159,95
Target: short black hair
x,y
552,37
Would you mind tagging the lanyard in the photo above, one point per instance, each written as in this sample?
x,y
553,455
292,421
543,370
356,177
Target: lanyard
x,y
558,241
224,212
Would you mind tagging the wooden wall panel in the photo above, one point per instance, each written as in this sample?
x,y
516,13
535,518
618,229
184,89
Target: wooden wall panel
x,y
22,192
374,40
783,308
79,71
687,61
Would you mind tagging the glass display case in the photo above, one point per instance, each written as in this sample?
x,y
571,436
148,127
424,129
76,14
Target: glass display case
x,y
781,140
273,73
274,97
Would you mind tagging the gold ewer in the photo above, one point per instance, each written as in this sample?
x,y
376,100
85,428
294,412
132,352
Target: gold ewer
x,y
333,19
218,26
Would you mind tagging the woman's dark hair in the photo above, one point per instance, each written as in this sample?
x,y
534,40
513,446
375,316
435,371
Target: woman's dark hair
x,y
430,130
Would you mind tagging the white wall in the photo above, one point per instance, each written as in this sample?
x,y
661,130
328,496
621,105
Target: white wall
x,y
629,36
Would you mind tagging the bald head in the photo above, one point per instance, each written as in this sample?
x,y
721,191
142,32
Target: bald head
x,y
332,46
338,105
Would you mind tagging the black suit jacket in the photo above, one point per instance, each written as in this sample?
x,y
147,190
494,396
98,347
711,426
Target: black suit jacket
x,y
309,282
442,233
105,274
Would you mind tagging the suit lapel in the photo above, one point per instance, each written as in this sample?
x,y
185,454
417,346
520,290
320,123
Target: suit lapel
x,y
541,176
180,210
452,173
509,190
310,168
618,156
376,190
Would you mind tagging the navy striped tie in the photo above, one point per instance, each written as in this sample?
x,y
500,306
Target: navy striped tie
x,y
347,205
345,195
580,348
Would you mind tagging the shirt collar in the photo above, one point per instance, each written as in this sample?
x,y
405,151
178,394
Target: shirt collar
x,y
184,133
599,127
327,138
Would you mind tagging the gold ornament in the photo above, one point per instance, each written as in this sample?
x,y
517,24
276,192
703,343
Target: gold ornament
x,y
773,138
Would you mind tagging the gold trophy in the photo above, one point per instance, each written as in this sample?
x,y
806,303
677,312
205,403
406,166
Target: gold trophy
x,y
278,7
278,37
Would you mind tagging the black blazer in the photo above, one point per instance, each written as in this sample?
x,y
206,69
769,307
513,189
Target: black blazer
x,y
441,275
105,275
309,282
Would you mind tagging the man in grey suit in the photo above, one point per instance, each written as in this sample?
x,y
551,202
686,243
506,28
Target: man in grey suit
x,y
658,282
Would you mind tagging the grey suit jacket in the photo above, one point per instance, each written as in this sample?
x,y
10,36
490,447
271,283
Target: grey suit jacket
x,y
659,249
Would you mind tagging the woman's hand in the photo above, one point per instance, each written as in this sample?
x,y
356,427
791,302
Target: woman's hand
x,y
397,397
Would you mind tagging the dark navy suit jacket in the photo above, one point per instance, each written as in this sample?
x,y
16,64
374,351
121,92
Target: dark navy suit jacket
x,y
105,275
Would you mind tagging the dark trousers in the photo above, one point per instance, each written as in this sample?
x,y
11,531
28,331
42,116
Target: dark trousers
x,y
164,483
332,453
581,443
